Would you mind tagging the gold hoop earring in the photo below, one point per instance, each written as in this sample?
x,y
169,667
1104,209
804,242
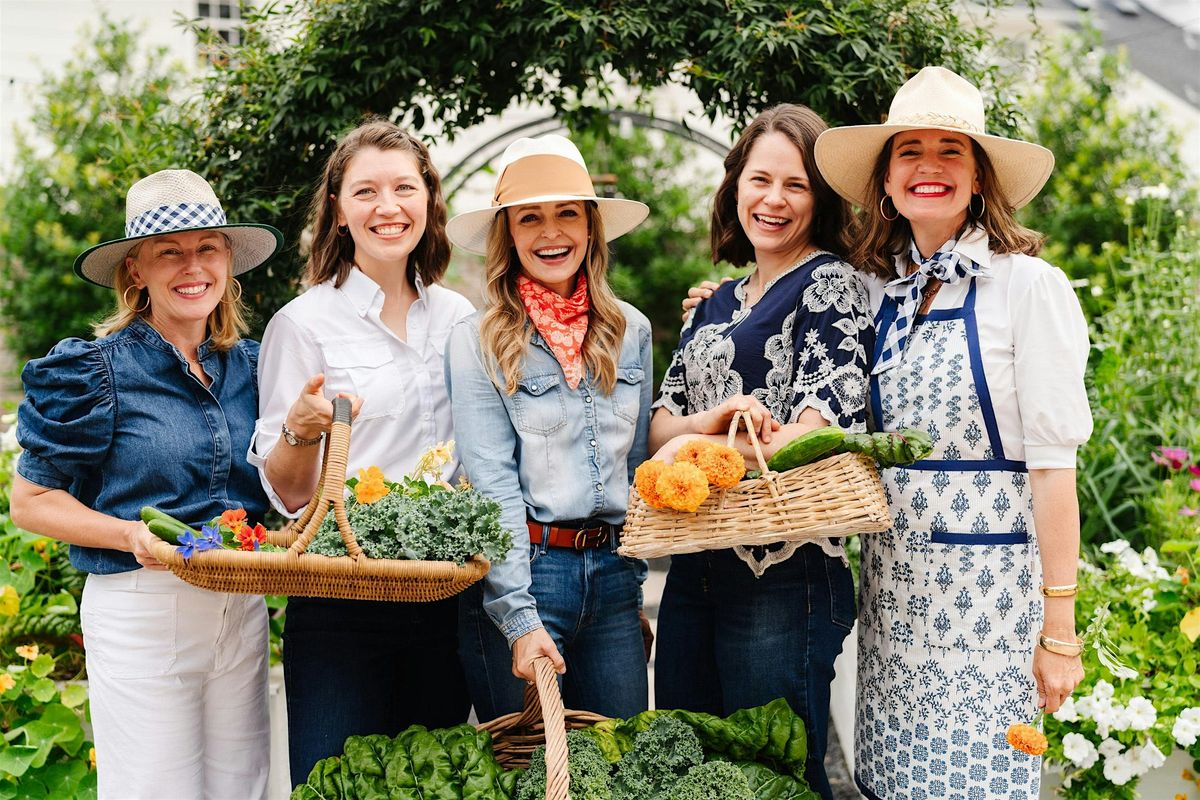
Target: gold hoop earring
x,y
129,305
342,230
883,213
982,206
238,287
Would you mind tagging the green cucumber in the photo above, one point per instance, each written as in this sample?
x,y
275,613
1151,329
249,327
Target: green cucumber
x,y
164,526
807,448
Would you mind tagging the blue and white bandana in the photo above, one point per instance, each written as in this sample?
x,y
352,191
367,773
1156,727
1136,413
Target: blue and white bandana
x,y
947,266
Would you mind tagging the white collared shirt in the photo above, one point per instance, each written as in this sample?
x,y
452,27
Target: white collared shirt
x,y
338,331
1033,342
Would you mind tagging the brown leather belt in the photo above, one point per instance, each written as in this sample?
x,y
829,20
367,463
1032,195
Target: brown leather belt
x,y
576,538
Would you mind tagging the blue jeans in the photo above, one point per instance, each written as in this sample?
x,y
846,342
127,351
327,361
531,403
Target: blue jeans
x,y
588,603
728,640
354,667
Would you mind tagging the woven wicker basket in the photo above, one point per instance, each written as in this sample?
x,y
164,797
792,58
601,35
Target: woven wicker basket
x,y
352,577
836,496
543,721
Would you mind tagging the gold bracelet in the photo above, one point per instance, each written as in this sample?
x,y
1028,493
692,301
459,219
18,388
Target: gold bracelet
x,y
1059,647
1068,590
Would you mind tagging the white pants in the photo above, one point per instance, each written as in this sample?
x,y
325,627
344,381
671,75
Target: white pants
x,y
177,678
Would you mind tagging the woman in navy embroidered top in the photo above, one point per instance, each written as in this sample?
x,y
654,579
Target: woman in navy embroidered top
x,y
158,411
789,343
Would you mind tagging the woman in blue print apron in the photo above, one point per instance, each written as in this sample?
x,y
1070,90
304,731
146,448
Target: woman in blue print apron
x,y
966,621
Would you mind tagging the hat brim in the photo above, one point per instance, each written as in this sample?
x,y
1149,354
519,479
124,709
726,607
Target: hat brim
x,y
469,230
846,157
252,246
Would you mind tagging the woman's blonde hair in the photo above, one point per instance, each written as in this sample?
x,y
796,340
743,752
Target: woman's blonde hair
x,y
332,255
505,331
226,323
879,239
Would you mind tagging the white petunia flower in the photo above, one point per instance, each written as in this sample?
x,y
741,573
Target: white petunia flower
x,y
1116,546
1141,714
1119,769
1079,750
1110,747
1150,756
1116,718
1187,727
1103,690
1067,712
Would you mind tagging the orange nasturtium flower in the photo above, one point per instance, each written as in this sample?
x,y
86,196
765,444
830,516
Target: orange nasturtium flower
x,y
1027,739
28,651
92,757
234,519
370,487
6,682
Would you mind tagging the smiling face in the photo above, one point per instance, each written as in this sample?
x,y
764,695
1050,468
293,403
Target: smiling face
x,y
775,201
384,202
185,275
551,240
931,176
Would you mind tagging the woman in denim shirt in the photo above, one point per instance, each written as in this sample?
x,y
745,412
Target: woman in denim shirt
x,y
551,386
158,411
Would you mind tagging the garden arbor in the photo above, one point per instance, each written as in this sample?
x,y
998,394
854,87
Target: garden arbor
x,y
270,110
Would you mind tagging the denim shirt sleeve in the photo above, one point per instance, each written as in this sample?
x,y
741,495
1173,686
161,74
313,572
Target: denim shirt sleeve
x,y
65,423
641,437
487,444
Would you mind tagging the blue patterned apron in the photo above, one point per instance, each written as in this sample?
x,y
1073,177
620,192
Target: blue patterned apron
x,y
950,605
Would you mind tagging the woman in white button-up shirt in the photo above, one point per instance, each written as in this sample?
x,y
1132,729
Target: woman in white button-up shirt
x,y
373,325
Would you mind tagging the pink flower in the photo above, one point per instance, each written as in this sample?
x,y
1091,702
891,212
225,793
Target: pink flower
x,y
1195,484
1188,512
1194,469
1171,457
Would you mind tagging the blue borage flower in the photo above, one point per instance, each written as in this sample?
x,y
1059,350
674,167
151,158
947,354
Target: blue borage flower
x,y
187,544
210,538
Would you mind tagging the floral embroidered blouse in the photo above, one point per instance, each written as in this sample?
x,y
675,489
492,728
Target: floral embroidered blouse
x,y
804,344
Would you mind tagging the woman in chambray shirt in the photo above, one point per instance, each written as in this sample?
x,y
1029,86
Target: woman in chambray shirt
x,y
550,387
158,411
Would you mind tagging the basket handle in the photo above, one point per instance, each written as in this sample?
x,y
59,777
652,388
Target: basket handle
x,y
758,453
330,487
544,701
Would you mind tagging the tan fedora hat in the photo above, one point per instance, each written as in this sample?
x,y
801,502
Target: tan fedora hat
x,y
942,100
548,169
176,201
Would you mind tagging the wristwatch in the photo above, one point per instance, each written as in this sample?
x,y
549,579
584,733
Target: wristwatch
x,y
291,438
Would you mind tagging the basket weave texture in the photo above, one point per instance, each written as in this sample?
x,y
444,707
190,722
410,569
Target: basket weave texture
x,y
543,721
837,496
295,572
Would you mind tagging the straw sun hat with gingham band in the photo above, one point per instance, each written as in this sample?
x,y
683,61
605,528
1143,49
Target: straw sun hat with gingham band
x,y
548,169
934,98
176,201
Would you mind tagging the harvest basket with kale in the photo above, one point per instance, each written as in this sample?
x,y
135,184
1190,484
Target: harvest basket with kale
x,y
838,495
426,543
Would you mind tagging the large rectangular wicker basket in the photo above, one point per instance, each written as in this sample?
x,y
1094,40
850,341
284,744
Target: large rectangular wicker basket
x,y
837,496
295,572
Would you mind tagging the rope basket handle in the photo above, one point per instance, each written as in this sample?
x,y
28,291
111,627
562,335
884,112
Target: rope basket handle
x,y
543,701
330,486
738,418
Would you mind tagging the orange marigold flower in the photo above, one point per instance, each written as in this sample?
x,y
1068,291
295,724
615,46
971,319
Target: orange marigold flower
x,y
1027,739
723,466
690,452
682,486
645,478
234,518
28,651
370,491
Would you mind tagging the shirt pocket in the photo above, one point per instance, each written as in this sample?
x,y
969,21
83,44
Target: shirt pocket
x,y
367,370
627,393
539,404
982,591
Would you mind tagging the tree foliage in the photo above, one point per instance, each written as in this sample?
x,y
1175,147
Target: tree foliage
x,y
104,122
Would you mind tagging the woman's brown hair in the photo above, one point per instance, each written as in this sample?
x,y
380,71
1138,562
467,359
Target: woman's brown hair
x,y
505,331
880,239
831,214
332,256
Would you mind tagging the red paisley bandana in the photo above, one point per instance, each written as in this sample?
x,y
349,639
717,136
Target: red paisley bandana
x,y
562,321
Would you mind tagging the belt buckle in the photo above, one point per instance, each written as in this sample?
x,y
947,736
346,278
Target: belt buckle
x,y
583,537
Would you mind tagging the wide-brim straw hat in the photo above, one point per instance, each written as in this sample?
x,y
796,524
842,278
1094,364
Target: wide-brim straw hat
x,y
935,98
548,169
176,201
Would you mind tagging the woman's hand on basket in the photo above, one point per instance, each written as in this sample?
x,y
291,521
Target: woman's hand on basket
x,y
138,539
528,648
716,420
312,414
